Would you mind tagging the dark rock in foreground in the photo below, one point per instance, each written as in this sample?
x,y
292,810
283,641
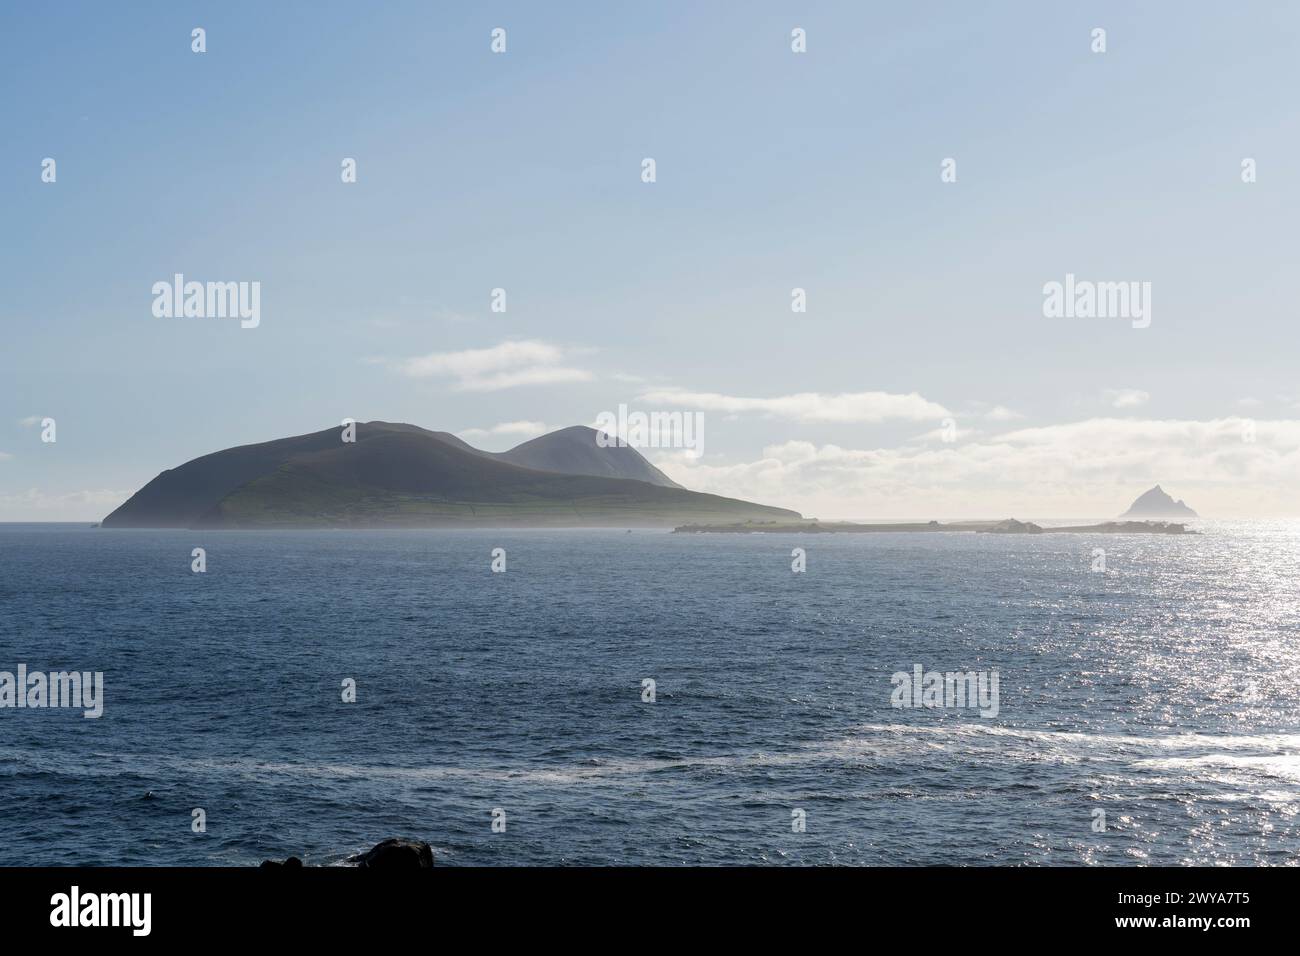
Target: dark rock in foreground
x,y
395,854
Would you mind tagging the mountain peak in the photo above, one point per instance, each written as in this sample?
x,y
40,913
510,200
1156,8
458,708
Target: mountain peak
x,y
1156,503
577,450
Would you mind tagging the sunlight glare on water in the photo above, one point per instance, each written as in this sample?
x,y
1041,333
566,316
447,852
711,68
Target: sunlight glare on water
x,y
1161,692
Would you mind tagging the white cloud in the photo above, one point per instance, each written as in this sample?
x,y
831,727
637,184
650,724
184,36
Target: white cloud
x,y
1092,468
524,429
508,365
1000,413
1126,397
808,407
30,421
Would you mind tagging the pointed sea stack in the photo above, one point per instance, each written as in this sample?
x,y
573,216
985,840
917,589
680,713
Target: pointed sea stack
x,y
1156,504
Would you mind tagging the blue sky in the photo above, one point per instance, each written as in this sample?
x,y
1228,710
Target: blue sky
x,y
775,170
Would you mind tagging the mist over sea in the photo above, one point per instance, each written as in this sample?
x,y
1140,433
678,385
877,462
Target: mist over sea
x,y
1162,692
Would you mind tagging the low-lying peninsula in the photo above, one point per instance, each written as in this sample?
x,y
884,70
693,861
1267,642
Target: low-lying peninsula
x,y
1006,526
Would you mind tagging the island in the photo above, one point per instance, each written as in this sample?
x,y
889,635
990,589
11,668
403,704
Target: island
x,y
394,475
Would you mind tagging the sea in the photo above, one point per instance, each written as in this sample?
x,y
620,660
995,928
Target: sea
x,y
649,698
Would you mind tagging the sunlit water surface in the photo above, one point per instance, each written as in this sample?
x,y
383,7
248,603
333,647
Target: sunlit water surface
x,y
1163,692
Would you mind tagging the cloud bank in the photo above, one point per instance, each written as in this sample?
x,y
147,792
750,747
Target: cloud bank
x,y
1093,468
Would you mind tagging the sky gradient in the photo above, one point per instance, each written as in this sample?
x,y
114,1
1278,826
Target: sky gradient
x,y
775,170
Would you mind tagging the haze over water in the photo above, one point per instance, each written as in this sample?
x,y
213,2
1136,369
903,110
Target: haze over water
x,y
1160,692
